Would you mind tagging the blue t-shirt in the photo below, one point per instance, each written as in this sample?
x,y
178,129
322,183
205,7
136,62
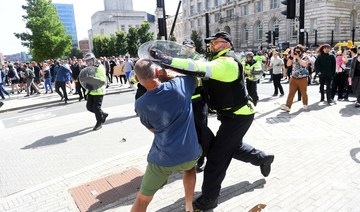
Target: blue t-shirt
x,y
168,111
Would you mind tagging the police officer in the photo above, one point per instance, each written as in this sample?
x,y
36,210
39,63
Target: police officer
x,y
223,82
200,109
95,96
253,71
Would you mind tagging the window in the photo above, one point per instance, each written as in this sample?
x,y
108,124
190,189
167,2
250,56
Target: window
x,y
230,13
199,7
313,25
199,22
192,10
258,6
274,4
244,10
217,17
275,27
208,4
294,27
245,33
123,28
337,25
258,31
217,2
192,25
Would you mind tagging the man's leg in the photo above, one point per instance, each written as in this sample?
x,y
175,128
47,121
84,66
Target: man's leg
x,y
141,203
189,180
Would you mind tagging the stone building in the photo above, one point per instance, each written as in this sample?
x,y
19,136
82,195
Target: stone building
x,y
249,20
118,15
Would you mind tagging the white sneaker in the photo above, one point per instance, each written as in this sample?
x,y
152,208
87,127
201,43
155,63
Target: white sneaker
x,y
286,108
305,107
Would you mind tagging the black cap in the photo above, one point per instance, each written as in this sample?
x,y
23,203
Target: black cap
x,y
220,34
189,43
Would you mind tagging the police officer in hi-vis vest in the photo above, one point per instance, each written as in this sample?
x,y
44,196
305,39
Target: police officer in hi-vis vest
x,y
95,96
223,82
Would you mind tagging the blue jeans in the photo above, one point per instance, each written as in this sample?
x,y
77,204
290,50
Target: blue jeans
x,y
48,83
3,91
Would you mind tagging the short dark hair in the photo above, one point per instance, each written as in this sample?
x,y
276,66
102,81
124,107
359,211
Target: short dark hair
x,y
354,50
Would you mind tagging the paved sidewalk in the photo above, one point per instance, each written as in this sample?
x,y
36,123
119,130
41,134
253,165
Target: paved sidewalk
x,y
316,167
19,101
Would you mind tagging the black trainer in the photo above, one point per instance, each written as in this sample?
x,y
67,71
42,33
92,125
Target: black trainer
x,y
266,167
105,115
204,203
98,126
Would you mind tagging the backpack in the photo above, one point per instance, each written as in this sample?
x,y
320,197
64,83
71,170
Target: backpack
x,y
11,73
31,74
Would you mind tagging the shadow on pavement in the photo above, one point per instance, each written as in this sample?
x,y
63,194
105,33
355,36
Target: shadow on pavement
x,y
349,110
118,119
353,154
226,194
53,140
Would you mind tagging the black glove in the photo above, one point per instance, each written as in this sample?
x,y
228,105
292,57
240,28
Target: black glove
x,y
157,54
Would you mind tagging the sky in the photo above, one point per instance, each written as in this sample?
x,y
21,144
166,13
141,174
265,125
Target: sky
x,y
11,18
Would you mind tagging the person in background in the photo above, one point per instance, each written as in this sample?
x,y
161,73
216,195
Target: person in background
x,y
2,82
352,55
76,68
354,77
175,146
47,76
340,79
325,66
277,65
299,77
13,78
61,79
128,65
30,76
250,65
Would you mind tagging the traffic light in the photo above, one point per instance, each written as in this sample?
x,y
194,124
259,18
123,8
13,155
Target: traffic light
x,y
268,36
290,8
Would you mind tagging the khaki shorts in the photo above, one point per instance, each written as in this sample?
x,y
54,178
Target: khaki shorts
x,y
156,176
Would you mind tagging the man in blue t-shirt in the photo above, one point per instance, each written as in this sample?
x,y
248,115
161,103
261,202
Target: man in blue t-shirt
x,y
166,110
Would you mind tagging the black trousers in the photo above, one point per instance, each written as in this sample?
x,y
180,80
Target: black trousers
x,y
338,85
251,87
61,85
226,145
204,134
80,89
93,105
277,83
121,79
325,81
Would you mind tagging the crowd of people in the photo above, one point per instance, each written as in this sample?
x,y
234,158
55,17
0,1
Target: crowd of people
x,y
45,77
169,106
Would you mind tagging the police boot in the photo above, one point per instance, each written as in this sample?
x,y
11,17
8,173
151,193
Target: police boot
x,y
97,126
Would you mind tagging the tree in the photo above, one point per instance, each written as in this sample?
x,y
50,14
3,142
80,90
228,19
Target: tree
x,y
144,34
76,52
121,44
47,35
196,37
132,40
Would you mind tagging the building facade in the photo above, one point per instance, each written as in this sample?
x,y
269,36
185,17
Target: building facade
x,y
249,20
118,15
84,46
67,17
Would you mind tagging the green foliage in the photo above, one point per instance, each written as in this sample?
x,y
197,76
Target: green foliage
x,y
144,34
47,35
121,44
76,52
132,40
196,37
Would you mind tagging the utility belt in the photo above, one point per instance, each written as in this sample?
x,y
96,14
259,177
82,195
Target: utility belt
x,y
237,111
